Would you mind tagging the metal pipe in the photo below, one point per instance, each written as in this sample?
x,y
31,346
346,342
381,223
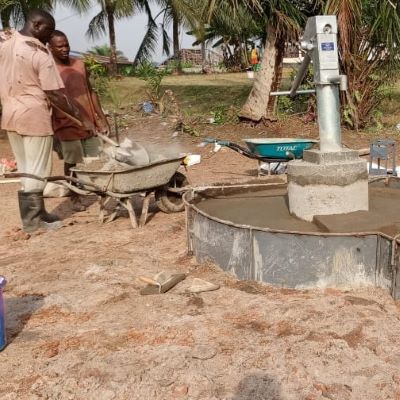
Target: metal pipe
x,y
300,75
328,106
287,92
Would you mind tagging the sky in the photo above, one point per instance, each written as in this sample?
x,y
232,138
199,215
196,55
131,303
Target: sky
x,y
129,32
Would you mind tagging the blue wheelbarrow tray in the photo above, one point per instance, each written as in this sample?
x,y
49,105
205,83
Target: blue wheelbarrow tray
x,y
282,148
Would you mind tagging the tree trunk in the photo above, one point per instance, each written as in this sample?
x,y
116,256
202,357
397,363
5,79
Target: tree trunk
x,y
5,20
175,41
273,100
256,104
113,44
203,54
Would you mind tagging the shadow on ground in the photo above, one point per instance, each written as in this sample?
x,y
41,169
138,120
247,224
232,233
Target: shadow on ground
x,y
18,312
258,387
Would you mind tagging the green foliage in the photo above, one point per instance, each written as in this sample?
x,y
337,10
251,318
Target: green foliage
x,y
377,117
223,114
153,77
285,105
174,65
95,68
299,104
189,129
128,70
347,115
98,75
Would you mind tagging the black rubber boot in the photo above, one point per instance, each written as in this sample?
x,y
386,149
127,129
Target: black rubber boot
x,y
33,213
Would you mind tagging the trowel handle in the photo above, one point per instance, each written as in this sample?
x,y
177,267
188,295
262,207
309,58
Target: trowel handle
x,y
150,281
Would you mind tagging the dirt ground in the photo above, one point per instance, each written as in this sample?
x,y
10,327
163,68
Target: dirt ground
x,y
78,327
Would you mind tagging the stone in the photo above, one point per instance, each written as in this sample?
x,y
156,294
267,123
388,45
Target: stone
x,y
180,391
203,352
200,285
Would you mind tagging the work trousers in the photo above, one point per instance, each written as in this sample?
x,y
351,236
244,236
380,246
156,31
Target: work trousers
x,y
74,151
34,156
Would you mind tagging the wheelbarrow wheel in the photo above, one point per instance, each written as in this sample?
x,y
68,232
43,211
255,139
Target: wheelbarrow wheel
x,y
170,202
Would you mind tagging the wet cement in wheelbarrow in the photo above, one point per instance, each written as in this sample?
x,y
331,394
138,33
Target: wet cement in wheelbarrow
x,y
269,209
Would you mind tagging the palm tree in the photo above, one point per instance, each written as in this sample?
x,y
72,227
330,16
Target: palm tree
x,y
234,30
104,21
283,21
175,12
17,10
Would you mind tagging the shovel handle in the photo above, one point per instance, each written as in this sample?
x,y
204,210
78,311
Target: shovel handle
x,y
106,139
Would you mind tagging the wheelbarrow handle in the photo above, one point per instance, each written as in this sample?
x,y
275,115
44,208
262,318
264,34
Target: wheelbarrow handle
x,y
52,179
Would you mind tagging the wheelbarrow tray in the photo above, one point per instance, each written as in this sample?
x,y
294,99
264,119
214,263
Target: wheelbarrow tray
x,y
130,180
282,148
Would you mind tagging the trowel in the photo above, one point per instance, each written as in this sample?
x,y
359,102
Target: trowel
x,y
160,283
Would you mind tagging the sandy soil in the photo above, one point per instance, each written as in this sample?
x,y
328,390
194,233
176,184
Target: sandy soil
x,y
79,329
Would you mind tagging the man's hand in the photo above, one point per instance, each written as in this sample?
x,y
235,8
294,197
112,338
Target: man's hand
x,y
103,126
66,106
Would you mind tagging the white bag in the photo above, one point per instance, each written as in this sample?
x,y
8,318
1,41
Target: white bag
x,y
55,190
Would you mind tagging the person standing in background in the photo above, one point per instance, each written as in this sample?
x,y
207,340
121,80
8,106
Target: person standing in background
x,y
254,57
77,141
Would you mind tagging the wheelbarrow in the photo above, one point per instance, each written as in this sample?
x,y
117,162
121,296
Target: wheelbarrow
x,y
269,150
122,184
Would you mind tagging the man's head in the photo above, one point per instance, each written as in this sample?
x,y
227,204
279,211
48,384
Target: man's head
x,y
40,25
59,46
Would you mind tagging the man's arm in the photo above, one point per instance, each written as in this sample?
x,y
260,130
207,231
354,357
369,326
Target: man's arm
x,y
102,124
61,102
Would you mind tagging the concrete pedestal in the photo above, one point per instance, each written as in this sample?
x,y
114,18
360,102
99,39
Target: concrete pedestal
x,y
327,183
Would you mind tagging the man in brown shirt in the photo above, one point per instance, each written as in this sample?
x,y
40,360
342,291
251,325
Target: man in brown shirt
x,y
29,82
76,141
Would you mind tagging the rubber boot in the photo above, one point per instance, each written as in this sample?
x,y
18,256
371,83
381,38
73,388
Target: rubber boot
x,y
33,213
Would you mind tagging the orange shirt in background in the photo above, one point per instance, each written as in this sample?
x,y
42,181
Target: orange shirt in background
x,y
74,76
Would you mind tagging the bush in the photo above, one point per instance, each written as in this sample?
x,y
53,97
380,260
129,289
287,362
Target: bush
x,y
153,77
128,70
98,75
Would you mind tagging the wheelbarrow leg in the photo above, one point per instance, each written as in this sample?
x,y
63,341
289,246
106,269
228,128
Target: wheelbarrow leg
x,y
103,201
127,203
145,209
113,215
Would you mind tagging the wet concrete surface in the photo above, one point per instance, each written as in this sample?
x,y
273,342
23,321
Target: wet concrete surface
x,y
269,209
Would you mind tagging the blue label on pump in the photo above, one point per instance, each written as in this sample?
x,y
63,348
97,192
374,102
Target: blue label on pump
x,y
328,46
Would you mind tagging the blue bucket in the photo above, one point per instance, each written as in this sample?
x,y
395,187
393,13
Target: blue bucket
x,y
2,315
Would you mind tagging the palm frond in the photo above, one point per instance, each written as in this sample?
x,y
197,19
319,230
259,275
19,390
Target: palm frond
x,y
166,41
97,26
149,43
80,6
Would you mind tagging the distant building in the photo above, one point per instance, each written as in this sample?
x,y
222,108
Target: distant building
x,y
194,57
104,60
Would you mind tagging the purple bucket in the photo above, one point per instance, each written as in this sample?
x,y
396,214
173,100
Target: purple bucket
x,y
2,315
